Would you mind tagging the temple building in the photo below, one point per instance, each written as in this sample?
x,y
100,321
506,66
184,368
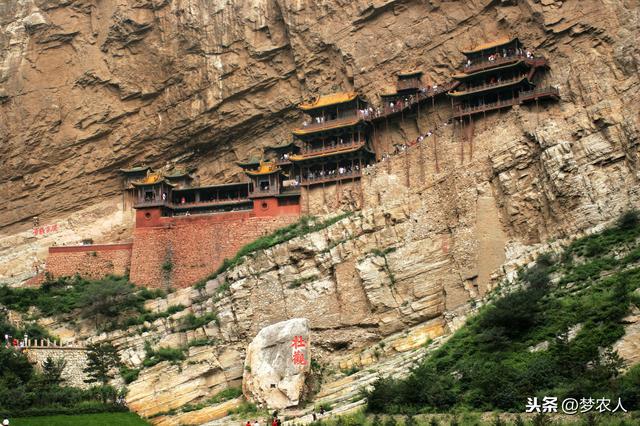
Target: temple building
x,y
499,75
334,140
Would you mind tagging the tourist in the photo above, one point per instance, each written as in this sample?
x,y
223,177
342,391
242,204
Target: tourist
x,y
5,422
248,423
278,422
256,423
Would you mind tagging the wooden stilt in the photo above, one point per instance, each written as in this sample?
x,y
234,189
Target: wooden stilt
x,y
462,141
435,152
407,165
421,152
471,129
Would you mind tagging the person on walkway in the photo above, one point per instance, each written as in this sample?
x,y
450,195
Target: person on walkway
x,y
248,423
5,422
256,423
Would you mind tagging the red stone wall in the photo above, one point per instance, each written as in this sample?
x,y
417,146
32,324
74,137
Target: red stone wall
x,y
179,251
90,261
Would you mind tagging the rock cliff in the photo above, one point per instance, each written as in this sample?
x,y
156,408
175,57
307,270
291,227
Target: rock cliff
x,y
87,87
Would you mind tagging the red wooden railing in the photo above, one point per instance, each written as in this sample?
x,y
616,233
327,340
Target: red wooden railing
x,y
537,93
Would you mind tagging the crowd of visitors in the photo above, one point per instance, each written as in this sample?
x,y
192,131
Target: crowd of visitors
x,y
338,171
11,341
401,103
504,53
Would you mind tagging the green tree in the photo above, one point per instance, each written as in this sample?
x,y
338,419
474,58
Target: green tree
x,y
410,421
52,370
102,362
391,421
108,298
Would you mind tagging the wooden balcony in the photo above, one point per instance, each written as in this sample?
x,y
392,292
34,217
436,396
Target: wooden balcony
x,y
312,152
348,120
487,87
536,61
526,96
332,178
191,205
205,204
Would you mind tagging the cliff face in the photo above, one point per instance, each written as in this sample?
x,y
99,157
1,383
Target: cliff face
x,y
87,87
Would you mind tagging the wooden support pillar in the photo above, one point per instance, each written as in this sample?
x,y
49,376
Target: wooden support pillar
x,y
421,160
471,130
407,165
361,184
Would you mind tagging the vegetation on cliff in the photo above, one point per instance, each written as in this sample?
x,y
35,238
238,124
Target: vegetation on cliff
x,y
112,301
306,225
552,336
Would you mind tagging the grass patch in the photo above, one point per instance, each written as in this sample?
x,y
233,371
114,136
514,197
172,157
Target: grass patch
x,y
225,395
383,254
245,409
109,298
306,225
147,316
129,374
201,342
102,419
191,321
156,356
487,365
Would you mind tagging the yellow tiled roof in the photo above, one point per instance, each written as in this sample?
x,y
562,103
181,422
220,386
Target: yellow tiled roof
x,y
265,168
489,45
151,178
332,99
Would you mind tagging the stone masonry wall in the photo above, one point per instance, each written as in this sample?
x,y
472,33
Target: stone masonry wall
x,y
91,261
75,358
184,250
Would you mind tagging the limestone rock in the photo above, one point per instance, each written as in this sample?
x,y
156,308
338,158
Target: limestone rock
x,y
271,376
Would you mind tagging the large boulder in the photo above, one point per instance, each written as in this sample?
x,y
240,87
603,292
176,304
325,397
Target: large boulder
x,y
277,364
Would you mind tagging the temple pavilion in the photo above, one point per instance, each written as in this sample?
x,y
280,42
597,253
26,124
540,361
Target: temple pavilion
x,y
498,75
173,194
334,139
272,179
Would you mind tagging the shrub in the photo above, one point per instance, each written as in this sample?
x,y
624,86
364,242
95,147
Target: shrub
x,y
304,226
629,219
129,374
225,395
192,321
487,364
153,357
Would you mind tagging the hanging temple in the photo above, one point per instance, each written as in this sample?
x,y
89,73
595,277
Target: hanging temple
x,y
197,227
